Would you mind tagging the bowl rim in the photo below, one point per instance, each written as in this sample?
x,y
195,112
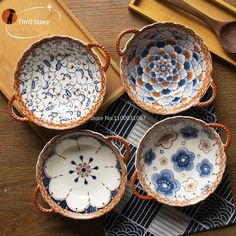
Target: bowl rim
x,y
54,205
40,121
187,202
159,109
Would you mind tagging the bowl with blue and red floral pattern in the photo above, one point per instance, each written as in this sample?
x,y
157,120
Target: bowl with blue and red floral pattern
x,y
166,68
81,174
180,161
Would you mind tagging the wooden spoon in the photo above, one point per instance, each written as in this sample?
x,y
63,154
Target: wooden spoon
x,y
225,31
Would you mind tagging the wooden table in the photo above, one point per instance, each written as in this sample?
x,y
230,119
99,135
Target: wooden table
x,y
20,146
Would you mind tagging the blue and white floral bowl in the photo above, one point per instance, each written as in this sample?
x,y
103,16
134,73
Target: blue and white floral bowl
x,y
59,82
165,68
180,161
81,174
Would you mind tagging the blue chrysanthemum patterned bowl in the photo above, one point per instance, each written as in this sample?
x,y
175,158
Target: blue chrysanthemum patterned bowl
x,y
59,82
180,161
165,68
81,174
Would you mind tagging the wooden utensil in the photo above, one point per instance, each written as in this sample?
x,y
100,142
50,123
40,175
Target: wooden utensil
x,y
225,31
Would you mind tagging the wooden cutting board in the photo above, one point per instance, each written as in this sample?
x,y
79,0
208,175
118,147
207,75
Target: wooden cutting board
x,y
159,10
37,19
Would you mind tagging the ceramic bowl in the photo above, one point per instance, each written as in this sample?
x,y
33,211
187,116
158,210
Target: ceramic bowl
x,y
59,82
165,68
180,161
81,174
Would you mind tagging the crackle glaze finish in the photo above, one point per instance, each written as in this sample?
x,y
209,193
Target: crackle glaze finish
x,y
81,174
180,159
167,68
60,80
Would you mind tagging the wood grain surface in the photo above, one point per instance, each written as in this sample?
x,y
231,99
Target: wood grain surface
x,y
163,11
20,146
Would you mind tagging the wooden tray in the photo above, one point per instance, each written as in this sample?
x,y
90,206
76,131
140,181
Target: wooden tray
x,y
159,10
11,48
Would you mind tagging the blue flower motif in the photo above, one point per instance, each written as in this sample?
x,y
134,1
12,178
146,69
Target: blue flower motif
x,y
189,132
204,168
206,187
165,184
149,157
158,71
183,160
208,133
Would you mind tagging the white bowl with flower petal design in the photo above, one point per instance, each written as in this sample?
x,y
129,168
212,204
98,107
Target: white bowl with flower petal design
x,y
81,174
180,161
59,82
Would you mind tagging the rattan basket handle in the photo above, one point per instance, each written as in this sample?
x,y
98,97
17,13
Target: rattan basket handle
x,y
228,133
132,185
37,205
120,36
126,144
105,51
211,99
12,113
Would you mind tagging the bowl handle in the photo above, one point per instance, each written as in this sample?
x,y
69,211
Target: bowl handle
x,y
126,144
132,185
37,205
106,52
12,113
226,129
211,99
118,39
